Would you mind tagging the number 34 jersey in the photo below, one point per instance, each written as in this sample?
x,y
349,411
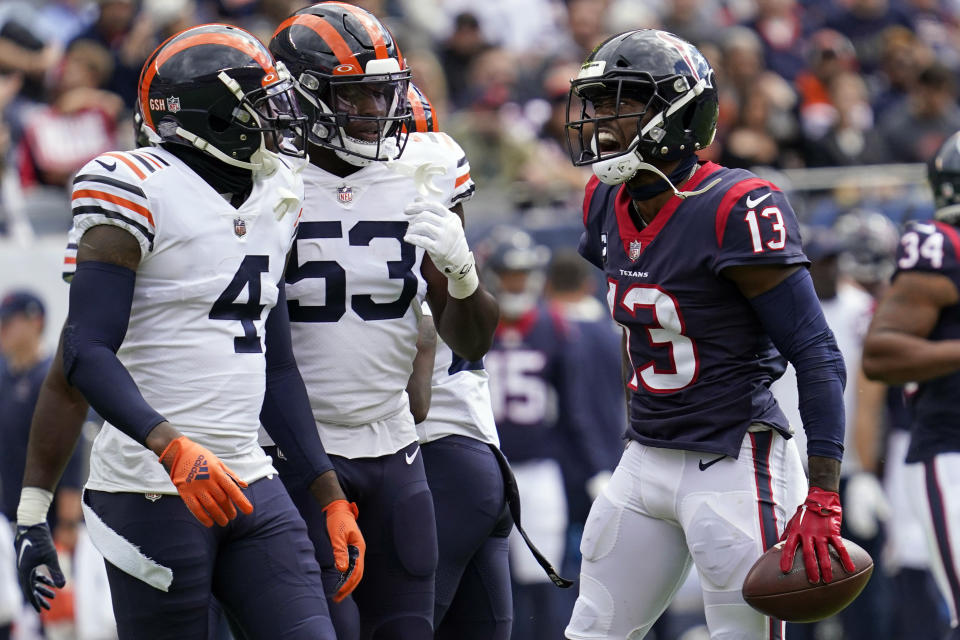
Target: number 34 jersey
x,y
934,247
702,363
207,279
354,291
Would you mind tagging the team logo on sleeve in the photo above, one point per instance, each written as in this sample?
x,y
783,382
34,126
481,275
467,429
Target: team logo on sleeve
x,y
239,227
173,104
634,250
345,194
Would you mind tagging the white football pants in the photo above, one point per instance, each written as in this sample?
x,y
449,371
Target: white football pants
x,y
666,508
936,486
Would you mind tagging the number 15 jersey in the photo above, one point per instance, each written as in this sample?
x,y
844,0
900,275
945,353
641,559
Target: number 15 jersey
x,y
702,363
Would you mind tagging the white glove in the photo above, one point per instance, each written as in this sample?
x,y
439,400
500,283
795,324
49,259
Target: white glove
x,y
864,505
439,232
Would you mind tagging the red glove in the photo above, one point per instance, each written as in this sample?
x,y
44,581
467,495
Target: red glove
x,y
815,525
348,545
205,484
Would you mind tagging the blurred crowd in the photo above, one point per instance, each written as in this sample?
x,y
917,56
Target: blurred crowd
x,y
803,83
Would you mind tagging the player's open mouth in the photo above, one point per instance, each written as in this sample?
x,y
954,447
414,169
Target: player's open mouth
x,y
607,142
365,134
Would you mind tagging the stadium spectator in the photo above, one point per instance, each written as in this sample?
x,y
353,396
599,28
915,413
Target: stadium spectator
x,y
902,56
829,54
780,27
79,122
915,130
129,37
850,138
458,54
864,21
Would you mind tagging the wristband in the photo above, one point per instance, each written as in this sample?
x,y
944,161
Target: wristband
x,y
462,286
33,507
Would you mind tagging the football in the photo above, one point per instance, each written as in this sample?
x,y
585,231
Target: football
x,y
791,597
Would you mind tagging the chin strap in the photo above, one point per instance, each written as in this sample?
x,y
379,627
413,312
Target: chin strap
x,y
680,194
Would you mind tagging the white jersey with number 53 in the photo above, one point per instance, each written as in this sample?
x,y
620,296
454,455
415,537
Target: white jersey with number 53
x,y
354,289
206,281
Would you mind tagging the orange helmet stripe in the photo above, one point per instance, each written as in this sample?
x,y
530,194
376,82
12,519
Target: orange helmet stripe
x,y
329,34
419,114
370,24
433,112
191,41
461,179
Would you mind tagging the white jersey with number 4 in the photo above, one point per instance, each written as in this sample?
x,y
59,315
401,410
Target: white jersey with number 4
x,y
206,281
354,289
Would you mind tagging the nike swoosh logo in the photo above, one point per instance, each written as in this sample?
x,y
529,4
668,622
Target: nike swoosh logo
x,y
703,466
752,203
108,167
23,547
411,457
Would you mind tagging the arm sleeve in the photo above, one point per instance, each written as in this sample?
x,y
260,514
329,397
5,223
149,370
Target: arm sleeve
x,y
792,317
101,295
286,412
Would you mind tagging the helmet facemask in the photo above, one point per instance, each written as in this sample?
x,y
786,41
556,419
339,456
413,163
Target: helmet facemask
x,y
360,117
584,134
260,124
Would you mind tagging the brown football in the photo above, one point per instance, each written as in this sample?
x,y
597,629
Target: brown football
x,y
791,597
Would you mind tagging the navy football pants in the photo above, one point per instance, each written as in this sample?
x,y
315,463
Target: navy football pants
x,y
260,567
396,595
473,576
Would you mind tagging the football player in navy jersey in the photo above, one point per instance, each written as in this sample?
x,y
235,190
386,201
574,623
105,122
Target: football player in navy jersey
x,y
915,337
707,278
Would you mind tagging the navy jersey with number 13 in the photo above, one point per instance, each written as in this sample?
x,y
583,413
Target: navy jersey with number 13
x,y
702,362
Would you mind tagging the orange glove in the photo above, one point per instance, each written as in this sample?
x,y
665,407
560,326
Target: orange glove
x,y
348,545
205,484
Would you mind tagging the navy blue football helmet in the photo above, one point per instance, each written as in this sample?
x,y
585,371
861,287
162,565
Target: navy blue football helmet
x,y
943,172
666,74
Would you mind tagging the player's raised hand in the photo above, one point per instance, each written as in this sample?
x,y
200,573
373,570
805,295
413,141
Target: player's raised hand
x,y
348,545
35,549
814,527
439,232
207,486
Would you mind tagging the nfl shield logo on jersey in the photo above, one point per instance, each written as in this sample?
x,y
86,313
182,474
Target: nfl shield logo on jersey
x,y
239,227
635,247
345,194
173,104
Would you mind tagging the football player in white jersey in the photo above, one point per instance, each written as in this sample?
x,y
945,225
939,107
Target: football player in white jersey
x,y
380,233
178,335
458,438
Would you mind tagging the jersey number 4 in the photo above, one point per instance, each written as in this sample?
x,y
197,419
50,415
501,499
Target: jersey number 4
x,y
360,235
665,330
226,307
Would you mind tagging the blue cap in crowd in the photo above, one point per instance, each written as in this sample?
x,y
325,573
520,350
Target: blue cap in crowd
x,y
23,302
